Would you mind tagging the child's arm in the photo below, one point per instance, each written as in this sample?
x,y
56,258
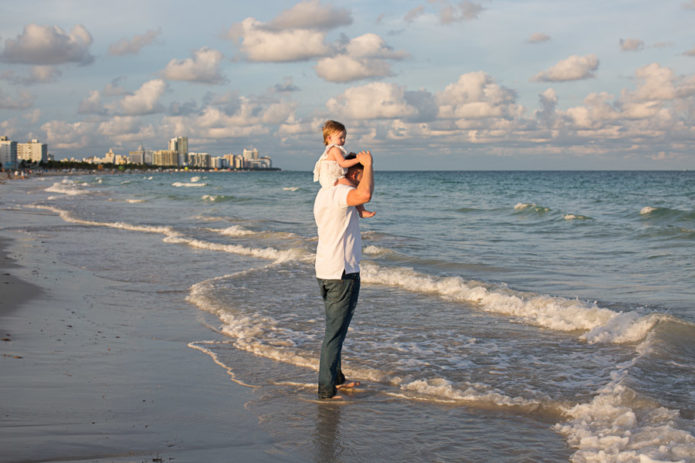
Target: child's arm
x,y
335,154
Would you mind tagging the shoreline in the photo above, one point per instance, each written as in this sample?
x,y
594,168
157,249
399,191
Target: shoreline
x,y
86,380
15,174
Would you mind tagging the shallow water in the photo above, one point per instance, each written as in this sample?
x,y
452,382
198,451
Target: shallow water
x,y
504,316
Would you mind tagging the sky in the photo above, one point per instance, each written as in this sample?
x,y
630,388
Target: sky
x,y
423,84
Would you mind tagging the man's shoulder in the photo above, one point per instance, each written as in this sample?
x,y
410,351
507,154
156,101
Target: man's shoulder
x,y
334,195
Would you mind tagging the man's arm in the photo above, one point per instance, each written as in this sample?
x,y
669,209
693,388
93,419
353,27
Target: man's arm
x,y
363,193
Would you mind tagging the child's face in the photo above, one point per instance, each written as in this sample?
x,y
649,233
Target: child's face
x,y
337,138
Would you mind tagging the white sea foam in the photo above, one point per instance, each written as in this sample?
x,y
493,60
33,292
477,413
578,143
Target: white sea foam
x,y
628,327
135,201
67,217
173,237
569,217
201,347
647,210
530,206
250,333
188,184
372,250
262,336
66,187
195,179
550,312
618,427
291,188
262,253
479,394
234,230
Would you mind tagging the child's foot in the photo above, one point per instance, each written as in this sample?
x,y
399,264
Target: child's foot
x,y
365,214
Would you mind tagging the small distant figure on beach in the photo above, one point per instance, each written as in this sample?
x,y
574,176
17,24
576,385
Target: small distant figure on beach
x,y
332,165
338,255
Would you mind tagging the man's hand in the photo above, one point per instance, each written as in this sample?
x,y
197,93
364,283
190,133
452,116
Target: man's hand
x,y
365,158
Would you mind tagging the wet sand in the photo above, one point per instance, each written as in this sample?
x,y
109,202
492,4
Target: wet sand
x,y
84,379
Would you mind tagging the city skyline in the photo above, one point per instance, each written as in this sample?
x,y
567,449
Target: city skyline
x,y
431,84
12,153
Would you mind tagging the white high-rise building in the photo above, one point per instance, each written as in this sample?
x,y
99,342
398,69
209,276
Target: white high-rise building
x,y
32,151
250,154
8,153
179,145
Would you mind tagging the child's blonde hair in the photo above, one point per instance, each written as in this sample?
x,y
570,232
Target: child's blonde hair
x,y
331,127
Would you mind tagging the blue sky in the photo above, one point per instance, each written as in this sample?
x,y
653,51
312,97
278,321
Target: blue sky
x,y
431,84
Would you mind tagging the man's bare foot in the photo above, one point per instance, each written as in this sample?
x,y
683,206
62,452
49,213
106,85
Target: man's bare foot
x,y
348,385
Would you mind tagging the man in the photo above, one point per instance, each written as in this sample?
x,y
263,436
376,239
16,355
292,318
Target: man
x,y
338,256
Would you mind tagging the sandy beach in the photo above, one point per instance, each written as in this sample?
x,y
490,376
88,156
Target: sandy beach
x,y
87,379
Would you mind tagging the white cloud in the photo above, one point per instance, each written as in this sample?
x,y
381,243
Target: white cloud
x,y
690,52
659,106
134,45
655,82
38,75
66,135
344,68
260,44
413,14
631,44
362,58
538,37
229,116
126,129
463,11
113,88
547,113
204,67
573,68
476,96
23,101
377,100
145,100
311,14
598,108
92,104
287,85
690,5
372,46
45,45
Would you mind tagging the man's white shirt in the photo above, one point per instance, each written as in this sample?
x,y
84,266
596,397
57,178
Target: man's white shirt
x,y
340,244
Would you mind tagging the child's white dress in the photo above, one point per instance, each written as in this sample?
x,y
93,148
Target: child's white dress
x,y
326,171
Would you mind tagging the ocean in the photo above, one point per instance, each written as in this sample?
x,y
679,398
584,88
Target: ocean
x,y
503,316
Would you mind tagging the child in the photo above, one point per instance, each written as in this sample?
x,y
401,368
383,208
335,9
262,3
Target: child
x,y
332,164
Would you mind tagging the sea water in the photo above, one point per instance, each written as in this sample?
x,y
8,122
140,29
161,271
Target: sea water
x,y
503,316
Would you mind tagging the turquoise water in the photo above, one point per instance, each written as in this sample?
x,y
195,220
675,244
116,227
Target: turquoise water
x,y
504,316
